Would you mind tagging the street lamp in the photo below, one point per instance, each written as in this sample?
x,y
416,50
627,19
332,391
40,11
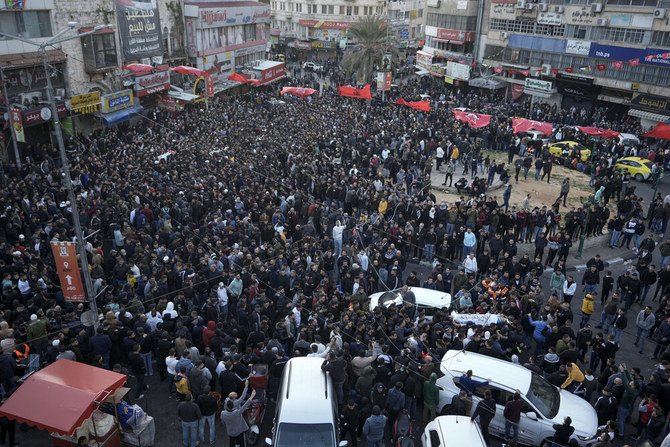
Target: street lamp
x,y
83,260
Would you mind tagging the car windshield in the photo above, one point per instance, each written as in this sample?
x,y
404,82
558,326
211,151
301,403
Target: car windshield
x,y
543,396
313,435
391,297
648,164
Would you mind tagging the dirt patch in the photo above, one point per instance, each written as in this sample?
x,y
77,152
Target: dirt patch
x,y
541,193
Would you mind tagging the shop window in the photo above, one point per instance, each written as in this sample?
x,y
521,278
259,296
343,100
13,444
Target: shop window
x,y
649,75
26,24
99,51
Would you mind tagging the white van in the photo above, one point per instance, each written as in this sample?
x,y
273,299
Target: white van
x,y
306,412
452,431
543,406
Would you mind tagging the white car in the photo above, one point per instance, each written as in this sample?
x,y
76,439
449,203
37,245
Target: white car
x,y
312,66
544,405
448,431
628,140
427,299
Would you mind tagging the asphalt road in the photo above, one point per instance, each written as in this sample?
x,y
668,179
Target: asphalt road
x,y
163,409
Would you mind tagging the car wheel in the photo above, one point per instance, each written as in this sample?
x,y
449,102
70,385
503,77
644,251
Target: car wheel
x,y
639,177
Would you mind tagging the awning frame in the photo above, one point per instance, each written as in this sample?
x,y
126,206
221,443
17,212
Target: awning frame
x,y
112,119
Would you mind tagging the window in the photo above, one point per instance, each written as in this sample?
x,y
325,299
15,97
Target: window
x,y
324,9
355,10
341,10
349,10
99,51
661,38
26,24
331,10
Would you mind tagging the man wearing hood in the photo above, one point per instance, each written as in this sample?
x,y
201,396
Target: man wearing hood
x,y
366,381
208,332
169,310
431,398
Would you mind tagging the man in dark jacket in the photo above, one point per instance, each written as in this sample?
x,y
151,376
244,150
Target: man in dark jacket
x,y
336,366
512,414
208,406
563,432
137,368
486,410
349,420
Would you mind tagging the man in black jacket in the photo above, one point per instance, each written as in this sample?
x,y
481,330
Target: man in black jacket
x,y
486,410
349,420
208,406
336,366
137,368
563,432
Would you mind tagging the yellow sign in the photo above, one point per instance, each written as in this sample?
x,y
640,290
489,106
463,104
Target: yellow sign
x,y
84,100
413,14
448,80
635,86
87,109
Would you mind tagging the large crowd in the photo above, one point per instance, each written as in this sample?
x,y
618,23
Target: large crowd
x,y
262,233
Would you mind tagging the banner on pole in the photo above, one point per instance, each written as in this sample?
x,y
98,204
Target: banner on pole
x,y
65,255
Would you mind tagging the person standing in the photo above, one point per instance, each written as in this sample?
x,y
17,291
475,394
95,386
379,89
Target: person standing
x,y
512,414
137,368
469,241
486,410
374,428
233,418
563,432
189,414
645,321
431,398
587,310
349,419
439,156
565,189
449,175
208,406
506,196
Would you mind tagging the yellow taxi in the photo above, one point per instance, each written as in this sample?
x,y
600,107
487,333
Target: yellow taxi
x,y
638,168
557,149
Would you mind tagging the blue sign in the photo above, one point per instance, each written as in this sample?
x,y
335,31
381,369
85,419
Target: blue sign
x,y
117,101
615,53
403,34
537,43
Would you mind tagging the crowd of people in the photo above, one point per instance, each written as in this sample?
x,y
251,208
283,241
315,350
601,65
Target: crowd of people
x,y
263,232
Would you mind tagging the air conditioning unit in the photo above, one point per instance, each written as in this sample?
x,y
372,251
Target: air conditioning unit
x,y
504,35
30,99
659,13
602,22
543,7
521,4
60,92
596,7
530,6
546,69
327,38
559,9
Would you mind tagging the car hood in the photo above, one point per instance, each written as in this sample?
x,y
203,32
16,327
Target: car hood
x,y
584,418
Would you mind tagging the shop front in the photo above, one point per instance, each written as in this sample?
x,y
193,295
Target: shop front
x,y
578,91
541,91
651,109
83,109
118,107
149,86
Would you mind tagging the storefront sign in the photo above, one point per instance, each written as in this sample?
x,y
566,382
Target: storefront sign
x,y
579,15
15,4
154,82
538,84
19,135
40,115
452,34
324,24
166,102
579,47
458,71
651,103
505,11
624,54
574,78
86,103
232,15
65,255
139,28
549,18
216,66
303,45
424,60
438,70
322,45
117,101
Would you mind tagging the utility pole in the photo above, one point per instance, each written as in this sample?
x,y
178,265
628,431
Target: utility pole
x,y
80,241
11,119
386,47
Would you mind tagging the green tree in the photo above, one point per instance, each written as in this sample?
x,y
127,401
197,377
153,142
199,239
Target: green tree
x,y
367,54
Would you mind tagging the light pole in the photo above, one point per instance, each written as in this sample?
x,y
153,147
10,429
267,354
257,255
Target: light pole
x,y
83,260
11,119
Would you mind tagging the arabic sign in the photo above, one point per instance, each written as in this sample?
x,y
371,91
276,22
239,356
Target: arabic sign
x,y
458,71
86,103
117,101
452,34
579,15
505,11
424,60
39,115
153,82
537,84
65,255
651,102
549,18
218,17
19,135
139,28
579,47
324,24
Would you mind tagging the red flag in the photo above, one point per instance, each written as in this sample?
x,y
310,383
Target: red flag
x,y
554,70
418,105
239,78
138,69
523,125
300,92
661,130
498,70
569,69
512,72
597,132
617,64
649,58
634,62
363,93
601,67
473,119
525,72
665,55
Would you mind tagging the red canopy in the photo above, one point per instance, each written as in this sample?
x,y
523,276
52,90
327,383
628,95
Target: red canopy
x,y
661,131
523,125
190,70
139,68
60,397
597,132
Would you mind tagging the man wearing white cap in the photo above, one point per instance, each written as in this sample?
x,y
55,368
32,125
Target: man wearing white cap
x,y
222,305
37,333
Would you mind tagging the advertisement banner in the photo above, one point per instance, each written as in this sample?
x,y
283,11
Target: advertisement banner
x,y
139,28
233,15
117,101
19,135
86,103
153,82
65,255
324,24
579,47
538,84
648,56
166,102
383,81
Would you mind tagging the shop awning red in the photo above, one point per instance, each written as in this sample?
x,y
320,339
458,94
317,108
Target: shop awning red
x,y
60,397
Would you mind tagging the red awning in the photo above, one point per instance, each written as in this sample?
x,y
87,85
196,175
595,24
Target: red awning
x,y
60,397
456,42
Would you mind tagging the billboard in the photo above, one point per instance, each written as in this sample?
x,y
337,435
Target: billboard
x,y
139,28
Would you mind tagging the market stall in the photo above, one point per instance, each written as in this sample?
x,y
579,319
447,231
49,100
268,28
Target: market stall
x,y
66,397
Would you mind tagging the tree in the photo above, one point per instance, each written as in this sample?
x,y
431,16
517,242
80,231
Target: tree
x,y
370,33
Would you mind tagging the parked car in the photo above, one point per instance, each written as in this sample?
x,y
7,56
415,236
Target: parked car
x,y
638,168
543,405
557,149
313,66
448,431
628,140
426,299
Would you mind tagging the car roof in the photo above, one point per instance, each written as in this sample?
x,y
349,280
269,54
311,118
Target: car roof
x,y
424,297
638,159
456,431
501,372
297,406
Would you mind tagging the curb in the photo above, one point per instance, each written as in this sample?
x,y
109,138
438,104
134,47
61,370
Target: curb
x,y
606,263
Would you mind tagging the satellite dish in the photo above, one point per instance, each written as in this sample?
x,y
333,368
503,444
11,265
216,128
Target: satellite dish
x,y
88,318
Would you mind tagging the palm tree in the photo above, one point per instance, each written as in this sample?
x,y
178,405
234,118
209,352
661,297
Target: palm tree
x,y
370,33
